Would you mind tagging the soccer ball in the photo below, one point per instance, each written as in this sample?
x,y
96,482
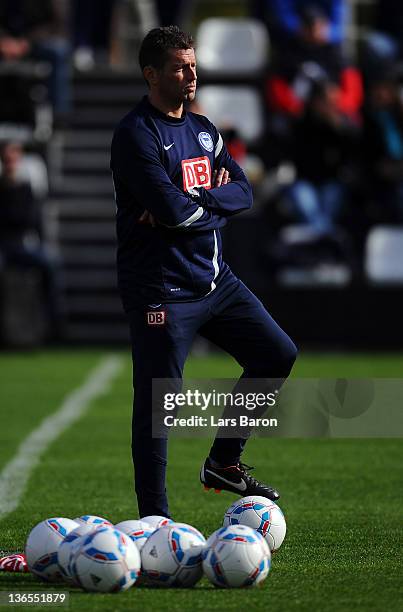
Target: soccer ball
x,y
236,556
105,560
261,514
96,521
138,531
68,547
42,546
156,521
172,556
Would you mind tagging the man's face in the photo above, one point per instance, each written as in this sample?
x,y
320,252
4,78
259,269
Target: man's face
x,y
384,94
176,81
10,158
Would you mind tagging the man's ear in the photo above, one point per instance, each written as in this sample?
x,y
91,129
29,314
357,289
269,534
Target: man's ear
x,y
151,75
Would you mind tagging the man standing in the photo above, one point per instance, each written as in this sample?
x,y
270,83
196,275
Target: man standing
x,y
176,185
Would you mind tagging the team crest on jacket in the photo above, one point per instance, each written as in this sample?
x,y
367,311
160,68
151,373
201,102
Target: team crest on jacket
x,y
206,141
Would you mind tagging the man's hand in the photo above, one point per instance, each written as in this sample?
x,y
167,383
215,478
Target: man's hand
x,y
221,177
147,219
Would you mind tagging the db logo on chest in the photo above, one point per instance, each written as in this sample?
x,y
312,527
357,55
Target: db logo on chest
x,y
196,172
156,317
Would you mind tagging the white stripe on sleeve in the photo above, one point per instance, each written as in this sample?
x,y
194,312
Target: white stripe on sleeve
x,y
219,146
215,262
196,215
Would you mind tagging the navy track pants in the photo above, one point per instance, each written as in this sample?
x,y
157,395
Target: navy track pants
x,y
236,321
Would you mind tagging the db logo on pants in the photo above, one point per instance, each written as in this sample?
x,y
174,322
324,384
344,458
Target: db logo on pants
x,y
156,317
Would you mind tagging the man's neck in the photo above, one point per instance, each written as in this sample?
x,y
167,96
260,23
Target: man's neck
x,y
164,107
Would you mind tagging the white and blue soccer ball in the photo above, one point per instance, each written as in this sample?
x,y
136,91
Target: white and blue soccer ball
x,y
68,547
95,521
156,521
42,547
261,514
236,556
138,531
106,560
172,556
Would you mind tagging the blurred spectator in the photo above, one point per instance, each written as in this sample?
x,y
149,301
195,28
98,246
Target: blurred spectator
x,y
235,145
286,20
32,169
384,45
309,51
323,151
21,230
30,29
92,21
382,147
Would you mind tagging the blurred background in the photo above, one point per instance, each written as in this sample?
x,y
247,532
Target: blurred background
x,y
309,98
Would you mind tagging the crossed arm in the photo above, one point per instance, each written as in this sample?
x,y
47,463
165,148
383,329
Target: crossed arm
x,y
220,177
138,171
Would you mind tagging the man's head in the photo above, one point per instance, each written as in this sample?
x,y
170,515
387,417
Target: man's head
x,y
315,25
167,60
10,158
385,90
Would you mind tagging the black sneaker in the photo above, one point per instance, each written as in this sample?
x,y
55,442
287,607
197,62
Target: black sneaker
x,y
236,479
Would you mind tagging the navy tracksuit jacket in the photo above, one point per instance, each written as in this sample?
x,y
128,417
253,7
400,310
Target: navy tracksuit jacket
x,y
172,279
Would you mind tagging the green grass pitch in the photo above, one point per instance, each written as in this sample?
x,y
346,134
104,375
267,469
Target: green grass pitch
x,y
342,498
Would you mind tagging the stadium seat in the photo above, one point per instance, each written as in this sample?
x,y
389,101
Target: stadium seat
x,y
232,47
384,254
233,106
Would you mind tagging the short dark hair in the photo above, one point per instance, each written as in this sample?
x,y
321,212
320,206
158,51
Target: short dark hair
x,y
154,48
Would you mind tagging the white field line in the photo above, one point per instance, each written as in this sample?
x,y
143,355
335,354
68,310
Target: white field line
x,y
15,475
